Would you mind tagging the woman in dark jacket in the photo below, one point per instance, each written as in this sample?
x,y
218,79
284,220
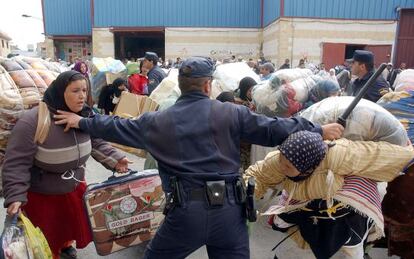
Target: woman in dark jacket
x,y
110,95
44,168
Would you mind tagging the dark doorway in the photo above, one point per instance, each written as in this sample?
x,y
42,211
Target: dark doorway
x,y
135,44
350,49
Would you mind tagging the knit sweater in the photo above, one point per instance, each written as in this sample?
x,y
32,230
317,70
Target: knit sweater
x,y
30,166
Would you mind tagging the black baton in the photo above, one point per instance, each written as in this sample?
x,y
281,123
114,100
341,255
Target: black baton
x,y
250,205
342,119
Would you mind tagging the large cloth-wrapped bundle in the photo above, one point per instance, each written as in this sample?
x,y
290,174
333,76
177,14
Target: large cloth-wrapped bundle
x,y
283,76
47,76
302,87
46,71
284,100
278,101
40,83
167,92
401,105
368,121
27,87
227,77
103,70
36,63
11,108
404,81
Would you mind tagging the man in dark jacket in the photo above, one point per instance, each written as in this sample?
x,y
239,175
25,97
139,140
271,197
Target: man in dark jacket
x,y
286,65
363,68
155,74
196,143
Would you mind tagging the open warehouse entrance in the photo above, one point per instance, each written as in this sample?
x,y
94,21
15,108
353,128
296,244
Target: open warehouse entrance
x,y
133,43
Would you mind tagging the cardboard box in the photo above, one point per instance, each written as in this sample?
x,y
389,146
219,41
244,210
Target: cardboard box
x,y
132,106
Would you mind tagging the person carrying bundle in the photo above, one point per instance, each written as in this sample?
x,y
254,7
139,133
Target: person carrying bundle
x,y
330,201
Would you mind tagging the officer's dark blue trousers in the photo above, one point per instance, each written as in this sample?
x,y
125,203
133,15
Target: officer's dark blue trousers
x,y
223,230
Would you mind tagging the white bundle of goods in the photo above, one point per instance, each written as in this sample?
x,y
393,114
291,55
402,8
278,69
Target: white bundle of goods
x,y
284,100
404,81
227,77
167,92
368,121
302,87
289,75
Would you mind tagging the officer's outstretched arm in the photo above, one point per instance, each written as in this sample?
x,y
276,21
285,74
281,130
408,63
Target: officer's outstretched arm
x,y
265,131
266,173
114,129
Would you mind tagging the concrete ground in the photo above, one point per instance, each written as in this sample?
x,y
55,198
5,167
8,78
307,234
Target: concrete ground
x,y
262,238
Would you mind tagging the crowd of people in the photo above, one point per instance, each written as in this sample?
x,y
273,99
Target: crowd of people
x,y
206,143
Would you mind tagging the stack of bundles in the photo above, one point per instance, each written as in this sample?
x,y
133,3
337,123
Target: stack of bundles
x,y
11,108
24,82
284,76
167,92
104,71
227,77
39,82
368,121
401,105
405,81
39,65
273,99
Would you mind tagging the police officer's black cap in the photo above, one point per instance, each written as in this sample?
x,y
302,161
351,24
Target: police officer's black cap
x,y
196,67
151,56
363,56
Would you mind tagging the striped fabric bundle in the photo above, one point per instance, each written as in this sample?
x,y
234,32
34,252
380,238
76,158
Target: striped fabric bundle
x,y
357,193
401,105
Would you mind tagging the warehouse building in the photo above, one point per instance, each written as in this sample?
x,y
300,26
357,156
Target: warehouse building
x,y
321,30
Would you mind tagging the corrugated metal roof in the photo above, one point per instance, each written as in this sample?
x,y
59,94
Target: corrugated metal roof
x,y
67,17
175,13
346,9
271,11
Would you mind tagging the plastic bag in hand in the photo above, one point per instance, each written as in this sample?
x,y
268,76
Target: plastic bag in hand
x,y
36,240
13,241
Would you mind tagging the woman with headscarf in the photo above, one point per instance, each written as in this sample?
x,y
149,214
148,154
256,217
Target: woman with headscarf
x,y
322,90
330,199
44,166
244,92
110,95
82,68
245,98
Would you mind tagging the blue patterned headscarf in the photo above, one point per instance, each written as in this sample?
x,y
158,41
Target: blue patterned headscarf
x,y
305,150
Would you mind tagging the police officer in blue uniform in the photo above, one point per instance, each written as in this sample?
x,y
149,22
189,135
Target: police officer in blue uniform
x,y
363,68
196,143
155,74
